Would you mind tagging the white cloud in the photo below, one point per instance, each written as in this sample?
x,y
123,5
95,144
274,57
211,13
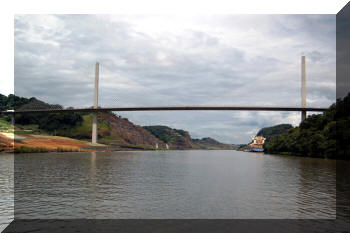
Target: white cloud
x,y
179,60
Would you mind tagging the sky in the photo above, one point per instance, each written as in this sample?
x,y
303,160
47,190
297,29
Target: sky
x,y
178,60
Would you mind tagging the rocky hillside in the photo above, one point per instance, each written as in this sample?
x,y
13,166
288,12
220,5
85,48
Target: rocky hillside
x,y
180,139
124,132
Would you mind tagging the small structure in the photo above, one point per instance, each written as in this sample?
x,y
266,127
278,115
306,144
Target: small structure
x,y
257,145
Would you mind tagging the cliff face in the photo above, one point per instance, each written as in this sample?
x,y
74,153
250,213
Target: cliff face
x,y
181,141
124,132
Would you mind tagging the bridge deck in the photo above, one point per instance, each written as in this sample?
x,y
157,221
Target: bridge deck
x,y
176,108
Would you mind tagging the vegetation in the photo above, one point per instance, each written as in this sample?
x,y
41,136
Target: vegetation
x,y
269,132
4,125
243,147
26,149
41,122
325,135
166,134
82,129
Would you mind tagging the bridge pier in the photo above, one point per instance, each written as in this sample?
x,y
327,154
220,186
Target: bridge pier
x,y
94,114
13,119
303,115
303,88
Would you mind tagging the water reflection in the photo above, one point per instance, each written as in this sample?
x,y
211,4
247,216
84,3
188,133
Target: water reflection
x,y
173,184
313,196
6,190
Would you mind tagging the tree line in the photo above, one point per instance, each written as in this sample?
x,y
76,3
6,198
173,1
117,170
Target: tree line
x,y
324,135
45,121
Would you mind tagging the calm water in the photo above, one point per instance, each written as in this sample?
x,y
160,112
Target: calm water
x,y
6,190
170,184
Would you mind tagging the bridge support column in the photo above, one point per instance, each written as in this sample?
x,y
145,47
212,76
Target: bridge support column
x,y
303,88
13,119
303,115
94,115
94,128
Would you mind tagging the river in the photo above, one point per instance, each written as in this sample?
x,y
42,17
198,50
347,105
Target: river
x,y
167,185
6,190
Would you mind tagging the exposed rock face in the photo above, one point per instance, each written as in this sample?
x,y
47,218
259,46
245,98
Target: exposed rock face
x,y
124,132
182,141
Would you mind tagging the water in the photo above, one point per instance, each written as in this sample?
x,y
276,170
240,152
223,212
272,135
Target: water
x,y
6,190
172,185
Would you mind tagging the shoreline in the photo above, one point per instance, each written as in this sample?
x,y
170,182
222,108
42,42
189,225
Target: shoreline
x,y
28,143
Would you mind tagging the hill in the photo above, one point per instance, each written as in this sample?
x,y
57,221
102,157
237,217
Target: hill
x,y
209,143
180,139
176,139
269,132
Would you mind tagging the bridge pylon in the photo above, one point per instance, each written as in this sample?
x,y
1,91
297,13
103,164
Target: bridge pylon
x,y
303,88
94,114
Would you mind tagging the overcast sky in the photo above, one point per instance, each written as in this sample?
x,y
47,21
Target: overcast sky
x,y
218,60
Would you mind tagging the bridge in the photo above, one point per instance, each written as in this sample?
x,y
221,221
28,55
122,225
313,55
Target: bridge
x,y
303,109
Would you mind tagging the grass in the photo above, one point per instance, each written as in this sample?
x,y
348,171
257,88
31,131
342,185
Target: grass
x,y
63,149
26,149
5,125
83,131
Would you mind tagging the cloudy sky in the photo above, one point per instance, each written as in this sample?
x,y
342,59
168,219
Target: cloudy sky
x,y
146,60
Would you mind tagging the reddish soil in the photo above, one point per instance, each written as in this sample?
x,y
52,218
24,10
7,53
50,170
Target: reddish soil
x,y
50,143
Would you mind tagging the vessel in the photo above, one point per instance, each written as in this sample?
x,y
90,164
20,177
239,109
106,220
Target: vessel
x,y
257,145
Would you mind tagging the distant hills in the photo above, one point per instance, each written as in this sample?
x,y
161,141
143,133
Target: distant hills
x,y
180,139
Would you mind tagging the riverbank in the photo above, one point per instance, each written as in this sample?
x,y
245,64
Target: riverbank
x,y
31,143
10,142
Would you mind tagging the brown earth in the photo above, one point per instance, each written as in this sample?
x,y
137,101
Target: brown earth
x,y
124,132
6,143
182,142
51,143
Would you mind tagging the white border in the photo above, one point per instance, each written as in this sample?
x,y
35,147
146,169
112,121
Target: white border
x,y
11,8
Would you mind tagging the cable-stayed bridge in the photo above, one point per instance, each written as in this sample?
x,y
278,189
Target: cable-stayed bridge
x,y
95,109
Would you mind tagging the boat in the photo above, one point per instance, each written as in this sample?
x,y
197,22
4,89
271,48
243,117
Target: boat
x,y
257,145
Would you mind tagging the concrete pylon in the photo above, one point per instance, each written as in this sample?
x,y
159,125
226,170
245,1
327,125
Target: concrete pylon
x,y
303,88
13,119
94,115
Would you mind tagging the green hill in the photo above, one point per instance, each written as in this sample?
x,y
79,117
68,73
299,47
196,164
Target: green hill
x,y
180,139
269,132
